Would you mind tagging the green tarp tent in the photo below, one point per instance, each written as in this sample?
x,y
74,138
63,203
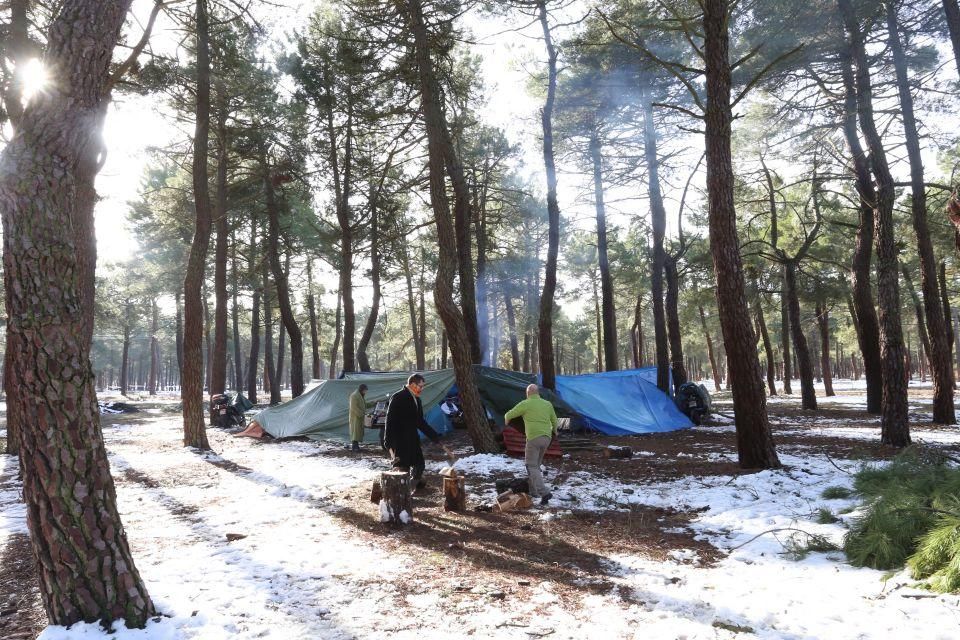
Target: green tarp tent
x,y
322,412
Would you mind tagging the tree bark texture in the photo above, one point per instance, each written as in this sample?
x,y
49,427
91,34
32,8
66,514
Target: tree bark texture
x,y
754,440
271,384
608,310
867,324
450,314
548,370
941,369
894,420
218,358
125,353
785,334
808,396
194,426
85,568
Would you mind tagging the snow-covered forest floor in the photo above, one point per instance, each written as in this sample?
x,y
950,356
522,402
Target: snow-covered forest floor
x,y
279,540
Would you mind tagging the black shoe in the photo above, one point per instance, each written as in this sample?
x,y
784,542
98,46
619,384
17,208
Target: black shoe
x,y
356,446
545,498
420,487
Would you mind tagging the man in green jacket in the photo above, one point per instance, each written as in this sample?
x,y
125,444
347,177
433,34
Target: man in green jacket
x,y
358,407
540,425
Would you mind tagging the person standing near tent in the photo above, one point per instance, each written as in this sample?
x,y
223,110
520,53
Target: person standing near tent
x,y
358,407
404,419
540,426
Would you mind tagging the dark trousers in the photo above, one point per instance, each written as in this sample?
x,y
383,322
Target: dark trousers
x,y
410,459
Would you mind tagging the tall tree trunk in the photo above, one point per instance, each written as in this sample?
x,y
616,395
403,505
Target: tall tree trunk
x,y
418,347
947,312
866,322
808,396
69,493
179,329
940,366
125,357
451,316
314,332
754,441
10,389
673,323
277,386
658,221
512,329
823,320
337,334
785,334
767,349
894,420
371,324
609,312
154,348
483,287
270,383
218,358
194,425
922,333
252,368
422,340
599,324
280,279
545,324
238,380
952,10
638,328
714,370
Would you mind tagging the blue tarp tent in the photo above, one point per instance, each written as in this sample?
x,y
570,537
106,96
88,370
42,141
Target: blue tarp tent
x,y
620,403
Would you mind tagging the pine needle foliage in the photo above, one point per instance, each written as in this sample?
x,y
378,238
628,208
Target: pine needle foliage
x,y
912,517
836,493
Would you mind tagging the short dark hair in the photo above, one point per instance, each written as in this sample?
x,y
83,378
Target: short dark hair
x,y
362,387
416,378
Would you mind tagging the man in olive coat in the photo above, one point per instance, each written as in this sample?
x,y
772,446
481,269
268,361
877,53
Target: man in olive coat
x,y
404,419
358,407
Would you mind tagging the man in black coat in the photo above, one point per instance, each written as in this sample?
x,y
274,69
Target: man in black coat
x,y
404,419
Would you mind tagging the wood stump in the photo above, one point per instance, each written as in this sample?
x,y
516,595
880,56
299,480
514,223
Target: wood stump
x,y
395,505
618,452
454,493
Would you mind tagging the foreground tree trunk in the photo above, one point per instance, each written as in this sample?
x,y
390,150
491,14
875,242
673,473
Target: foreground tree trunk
x,y
69,493
941,369
435,123
238,380
754,441
335,347
867,324
194,425
658,221
894,420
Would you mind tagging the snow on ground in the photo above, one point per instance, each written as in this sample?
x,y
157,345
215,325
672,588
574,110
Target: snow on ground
x,y
303,572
